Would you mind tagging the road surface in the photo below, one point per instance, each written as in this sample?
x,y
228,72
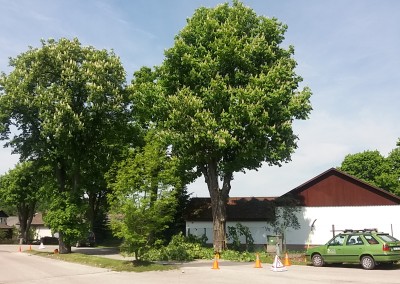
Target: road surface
x,y
23,268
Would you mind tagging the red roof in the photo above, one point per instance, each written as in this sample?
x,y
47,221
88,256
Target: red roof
x,y
337,188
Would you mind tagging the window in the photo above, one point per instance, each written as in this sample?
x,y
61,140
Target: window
x,y
371,240
354,240
387,238
337,241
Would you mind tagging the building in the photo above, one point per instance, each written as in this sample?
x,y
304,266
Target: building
x,y
38,225
255,213
6,230
329,203
334,201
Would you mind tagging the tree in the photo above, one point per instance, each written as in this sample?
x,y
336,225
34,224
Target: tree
x,y
144,196
22,188
367,166
392,178
68,106
286,210
225,98
373,168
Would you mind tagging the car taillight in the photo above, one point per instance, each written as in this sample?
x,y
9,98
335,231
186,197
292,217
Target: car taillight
x,y
385,247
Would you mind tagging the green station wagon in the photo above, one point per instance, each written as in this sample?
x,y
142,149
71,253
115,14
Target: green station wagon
x,y
367,247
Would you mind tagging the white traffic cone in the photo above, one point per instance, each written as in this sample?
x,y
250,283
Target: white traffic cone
x,y
41,246
278,266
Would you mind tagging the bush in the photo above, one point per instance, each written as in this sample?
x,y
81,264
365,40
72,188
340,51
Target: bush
x,y
234,234
180,248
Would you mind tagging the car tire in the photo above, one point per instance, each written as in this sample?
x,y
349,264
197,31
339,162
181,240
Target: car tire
x,y
317,260
367,262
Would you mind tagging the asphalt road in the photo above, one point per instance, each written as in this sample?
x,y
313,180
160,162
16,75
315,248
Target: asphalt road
x,y
21,268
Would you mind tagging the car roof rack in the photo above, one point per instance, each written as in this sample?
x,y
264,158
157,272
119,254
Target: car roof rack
x,y
360,230
371,230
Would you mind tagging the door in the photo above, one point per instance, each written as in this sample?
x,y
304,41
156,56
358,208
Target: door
x,y
352,248
335,249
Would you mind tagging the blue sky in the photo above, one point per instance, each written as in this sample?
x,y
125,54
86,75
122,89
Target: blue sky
x,y
347,53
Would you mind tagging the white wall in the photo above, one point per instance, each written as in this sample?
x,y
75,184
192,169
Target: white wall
x,y
42,231
383,218
259,230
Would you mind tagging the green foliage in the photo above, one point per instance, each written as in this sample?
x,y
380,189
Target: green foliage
x,y
225,97
197,239
64,99
235,255
67,217
70,109
22,188
234,235
367,166
180,248
286,210
107,263
3,235
21,185
231,90
143,200
375,169
392,177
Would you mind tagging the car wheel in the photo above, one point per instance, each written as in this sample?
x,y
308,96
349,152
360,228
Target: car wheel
x,y
317,260
367,262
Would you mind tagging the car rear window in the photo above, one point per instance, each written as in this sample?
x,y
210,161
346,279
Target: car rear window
x,y
387,238
371,240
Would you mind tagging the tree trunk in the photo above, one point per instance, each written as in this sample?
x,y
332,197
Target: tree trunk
x,y
63,248
25,216
219,200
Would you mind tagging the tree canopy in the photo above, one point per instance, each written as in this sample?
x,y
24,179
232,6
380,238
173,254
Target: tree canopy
x,y
225,98
64,105
373,168
22,189
145,194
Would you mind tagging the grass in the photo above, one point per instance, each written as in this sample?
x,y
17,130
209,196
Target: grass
x,y
108,263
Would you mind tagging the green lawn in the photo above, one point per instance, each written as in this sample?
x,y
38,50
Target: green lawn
x,y
103,262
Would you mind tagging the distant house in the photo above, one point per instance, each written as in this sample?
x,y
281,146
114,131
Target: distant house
x,y
38,225
3,225
330,202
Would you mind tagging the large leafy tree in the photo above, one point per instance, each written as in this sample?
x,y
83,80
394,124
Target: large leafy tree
x,y
67,108
22,188
225,98
393,175
145,191
367,165
373,168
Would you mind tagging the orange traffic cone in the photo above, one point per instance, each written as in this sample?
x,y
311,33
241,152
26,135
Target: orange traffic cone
x,y
287,261
215,264
258,262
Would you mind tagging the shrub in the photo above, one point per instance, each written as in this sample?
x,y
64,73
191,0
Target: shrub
x,y
234,234
180,248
